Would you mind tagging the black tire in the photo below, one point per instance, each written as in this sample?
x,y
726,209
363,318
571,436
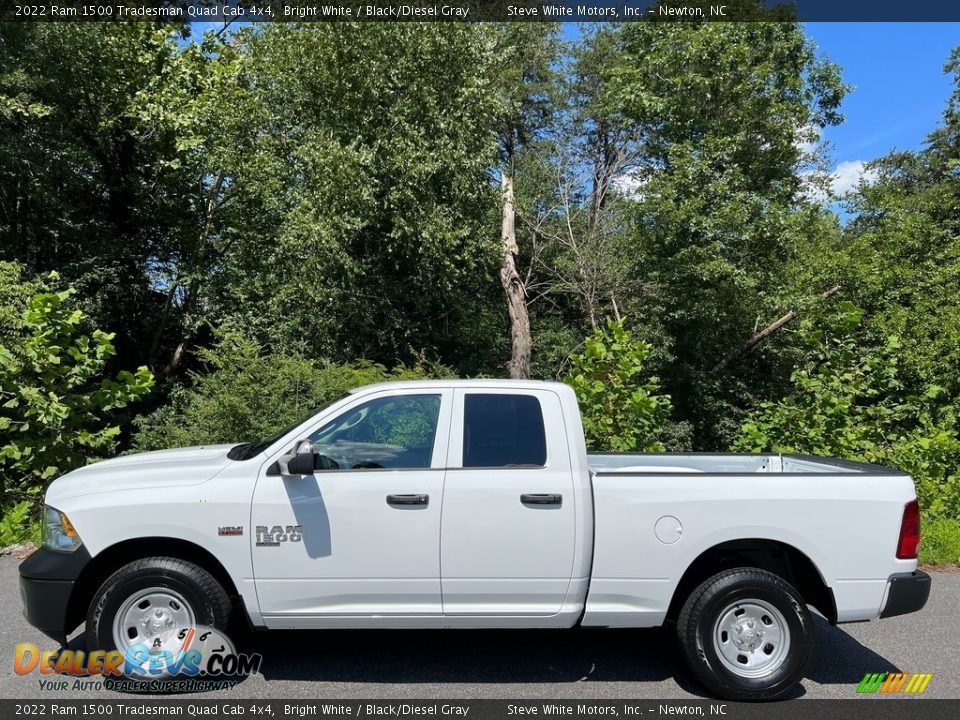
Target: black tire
x,y
700,633
205,595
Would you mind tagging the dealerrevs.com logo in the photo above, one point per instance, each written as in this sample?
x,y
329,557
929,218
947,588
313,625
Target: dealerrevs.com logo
x,y
199,658
895,683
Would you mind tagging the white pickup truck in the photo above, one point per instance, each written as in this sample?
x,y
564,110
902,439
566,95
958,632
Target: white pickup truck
x,y
475,504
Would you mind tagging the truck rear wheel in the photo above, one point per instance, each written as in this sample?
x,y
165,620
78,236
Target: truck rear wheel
x,y
746,634
152,602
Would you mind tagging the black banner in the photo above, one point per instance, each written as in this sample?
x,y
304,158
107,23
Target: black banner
x,y
866,708
252,11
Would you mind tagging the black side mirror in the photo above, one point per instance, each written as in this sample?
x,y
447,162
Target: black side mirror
x,y
302,463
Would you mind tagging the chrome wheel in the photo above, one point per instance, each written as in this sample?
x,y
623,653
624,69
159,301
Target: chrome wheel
x,y
752,638
153,617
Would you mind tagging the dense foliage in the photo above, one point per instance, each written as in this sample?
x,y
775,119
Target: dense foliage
x,y
849,400
889,392
364,172
620,405
283,211
56,401
243,394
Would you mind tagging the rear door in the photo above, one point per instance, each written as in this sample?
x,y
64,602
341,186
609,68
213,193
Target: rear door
x,y
507,535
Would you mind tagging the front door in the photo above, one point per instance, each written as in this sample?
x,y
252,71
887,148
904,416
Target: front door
x,y
361,536
508,540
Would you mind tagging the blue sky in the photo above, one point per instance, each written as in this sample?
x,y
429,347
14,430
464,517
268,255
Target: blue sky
x,y
900,91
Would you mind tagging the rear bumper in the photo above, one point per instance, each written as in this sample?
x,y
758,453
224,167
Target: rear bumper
x,y
47,579
908,593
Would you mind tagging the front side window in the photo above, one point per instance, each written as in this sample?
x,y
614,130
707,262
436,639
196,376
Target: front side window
x,y
391,432
503,431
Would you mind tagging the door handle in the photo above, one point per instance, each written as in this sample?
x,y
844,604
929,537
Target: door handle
x,y
541,499
410,499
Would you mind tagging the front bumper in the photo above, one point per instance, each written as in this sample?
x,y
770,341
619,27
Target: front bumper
x,y
908,593
47,580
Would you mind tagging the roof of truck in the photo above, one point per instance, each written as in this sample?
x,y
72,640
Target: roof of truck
x,y
479,383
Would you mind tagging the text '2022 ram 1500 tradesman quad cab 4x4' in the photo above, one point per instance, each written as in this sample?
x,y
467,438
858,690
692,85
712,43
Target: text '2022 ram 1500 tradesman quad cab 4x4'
x,y
475,504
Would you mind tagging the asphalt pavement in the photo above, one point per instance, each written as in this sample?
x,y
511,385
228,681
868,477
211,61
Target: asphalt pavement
x,y
594,664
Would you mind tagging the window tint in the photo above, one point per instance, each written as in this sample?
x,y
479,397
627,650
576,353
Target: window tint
x,y
503,431
393,432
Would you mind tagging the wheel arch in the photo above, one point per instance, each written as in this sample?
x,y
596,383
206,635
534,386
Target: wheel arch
x,y
112,558
779,558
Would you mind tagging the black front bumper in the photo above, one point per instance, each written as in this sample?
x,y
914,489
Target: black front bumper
x,y
47,579
908,593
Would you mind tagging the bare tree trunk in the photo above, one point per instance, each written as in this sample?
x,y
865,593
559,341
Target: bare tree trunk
x,y
162,325
765,333
519,365
175,359
616,310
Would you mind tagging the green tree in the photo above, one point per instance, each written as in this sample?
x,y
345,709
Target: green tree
x,y
247,394
621,407
899,257
888,393
55,403
15,294
720,109
571,201
360,221
849,401
101,147
576,203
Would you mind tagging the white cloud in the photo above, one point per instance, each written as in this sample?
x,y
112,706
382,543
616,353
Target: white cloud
x,y
849,174
807,141
630,184
828,187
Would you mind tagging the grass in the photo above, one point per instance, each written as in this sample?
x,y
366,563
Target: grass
x,y
941,542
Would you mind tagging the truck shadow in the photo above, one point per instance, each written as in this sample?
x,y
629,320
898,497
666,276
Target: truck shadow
x,y
521,657
466,656
840,659
534,662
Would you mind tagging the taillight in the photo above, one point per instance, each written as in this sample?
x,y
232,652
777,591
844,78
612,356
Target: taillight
x,y
909,542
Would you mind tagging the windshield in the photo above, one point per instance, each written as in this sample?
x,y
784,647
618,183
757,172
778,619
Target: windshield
x,y
245,451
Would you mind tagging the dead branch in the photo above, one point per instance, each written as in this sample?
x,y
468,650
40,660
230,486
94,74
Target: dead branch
x,y
769,330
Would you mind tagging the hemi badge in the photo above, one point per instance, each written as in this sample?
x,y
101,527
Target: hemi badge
x,y
230,530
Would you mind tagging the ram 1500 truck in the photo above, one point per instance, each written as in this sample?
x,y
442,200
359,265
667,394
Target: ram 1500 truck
x,y
475,504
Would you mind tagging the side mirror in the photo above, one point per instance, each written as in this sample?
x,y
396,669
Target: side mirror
x,y
301,462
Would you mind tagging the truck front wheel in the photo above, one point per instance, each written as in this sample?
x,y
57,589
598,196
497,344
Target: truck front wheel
x,y
149,605
746,634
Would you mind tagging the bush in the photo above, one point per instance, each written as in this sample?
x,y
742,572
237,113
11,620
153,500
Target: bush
x,y
621,410
849,402
941,542
15,294
55,403
19,524
245,394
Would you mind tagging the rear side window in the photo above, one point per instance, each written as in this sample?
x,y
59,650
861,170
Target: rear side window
x,y
503,431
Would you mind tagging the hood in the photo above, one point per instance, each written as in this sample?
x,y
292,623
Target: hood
x,y
161,468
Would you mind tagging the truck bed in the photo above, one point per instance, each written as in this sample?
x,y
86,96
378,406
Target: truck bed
x,y
654,514
727,464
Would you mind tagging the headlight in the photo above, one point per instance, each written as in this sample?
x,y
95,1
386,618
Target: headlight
x,y
58,532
